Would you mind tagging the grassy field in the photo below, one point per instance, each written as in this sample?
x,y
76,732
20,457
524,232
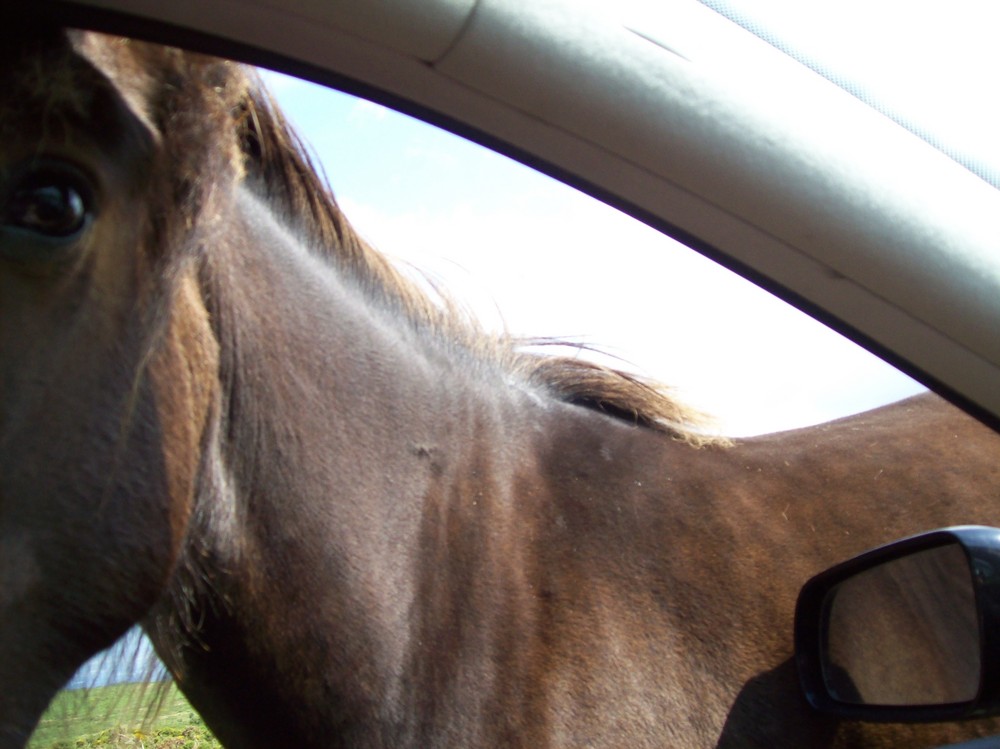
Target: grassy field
x,y
123,715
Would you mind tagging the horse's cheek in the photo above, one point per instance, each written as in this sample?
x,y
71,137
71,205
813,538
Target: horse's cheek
x,y
184,377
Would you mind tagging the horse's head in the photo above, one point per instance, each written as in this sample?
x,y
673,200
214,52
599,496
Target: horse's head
x,y
107,362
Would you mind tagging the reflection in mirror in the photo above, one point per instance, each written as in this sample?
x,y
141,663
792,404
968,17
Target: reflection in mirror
x,y
904,632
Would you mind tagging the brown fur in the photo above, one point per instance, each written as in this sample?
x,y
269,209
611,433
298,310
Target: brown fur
x,y
345,516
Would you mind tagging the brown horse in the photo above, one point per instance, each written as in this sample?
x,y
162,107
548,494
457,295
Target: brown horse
x,y
344,515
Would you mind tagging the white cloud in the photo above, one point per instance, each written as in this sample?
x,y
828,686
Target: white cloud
x,y
364,112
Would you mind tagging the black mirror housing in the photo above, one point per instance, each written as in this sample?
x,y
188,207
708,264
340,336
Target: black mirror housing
x,y
907,632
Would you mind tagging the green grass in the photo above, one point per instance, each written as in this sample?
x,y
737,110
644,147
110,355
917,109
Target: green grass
x,y
120,716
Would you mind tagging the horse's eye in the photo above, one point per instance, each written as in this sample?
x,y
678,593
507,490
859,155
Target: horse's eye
x,y
52,201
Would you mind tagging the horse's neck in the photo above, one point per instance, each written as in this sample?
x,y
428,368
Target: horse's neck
x,y
330,402
348,445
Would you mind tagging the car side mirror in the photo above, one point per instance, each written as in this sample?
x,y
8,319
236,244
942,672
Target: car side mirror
x,y
906,632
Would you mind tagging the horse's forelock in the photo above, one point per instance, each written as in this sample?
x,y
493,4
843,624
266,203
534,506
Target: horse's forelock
x,y
196,105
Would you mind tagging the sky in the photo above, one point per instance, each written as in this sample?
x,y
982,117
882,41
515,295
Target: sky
x,y
546,260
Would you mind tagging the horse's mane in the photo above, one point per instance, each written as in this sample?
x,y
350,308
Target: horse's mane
x,y
275,160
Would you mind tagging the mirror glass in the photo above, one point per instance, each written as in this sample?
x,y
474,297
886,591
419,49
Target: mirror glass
x,y
904,632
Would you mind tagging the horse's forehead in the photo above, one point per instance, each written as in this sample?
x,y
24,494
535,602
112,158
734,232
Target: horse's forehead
x,y
52,82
